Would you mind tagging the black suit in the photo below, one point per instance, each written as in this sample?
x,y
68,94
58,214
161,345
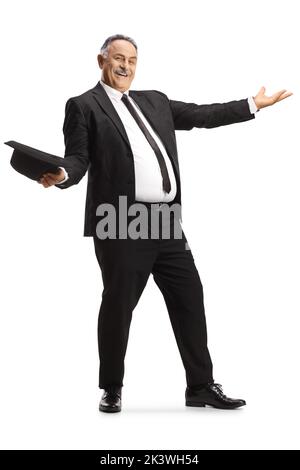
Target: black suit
x,y
96,141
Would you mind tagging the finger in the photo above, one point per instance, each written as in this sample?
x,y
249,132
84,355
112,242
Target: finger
x,y
48,180
262,90
276,96
44,182
285,95
53,178
42,179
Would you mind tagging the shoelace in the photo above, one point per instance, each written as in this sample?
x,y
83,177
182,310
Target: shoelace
x,y
219,389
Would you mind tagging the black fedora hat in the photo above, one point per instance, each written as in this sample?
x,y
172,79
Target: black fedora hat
x,y
32,162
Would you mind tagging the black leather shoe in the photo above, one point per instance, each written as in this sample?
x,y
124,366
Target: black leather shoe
x,y
212,395
111,400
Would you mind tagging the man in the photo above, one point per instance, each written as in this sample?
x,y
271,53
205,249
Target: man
x,y
126,140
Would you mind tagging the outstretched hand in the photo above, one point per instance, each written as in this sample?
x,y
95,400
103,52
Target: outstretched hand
x,y
262,101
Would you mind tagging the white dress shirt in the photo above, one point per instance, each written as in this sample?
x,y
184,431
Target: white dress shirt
x,y
148,179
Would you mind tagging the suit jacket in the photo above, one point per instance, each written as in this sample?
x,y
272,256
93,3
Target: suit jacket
x,y
96,140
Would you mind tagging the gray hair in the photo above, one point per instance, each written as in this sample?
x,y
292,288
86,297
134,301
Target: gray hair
x,y
110,39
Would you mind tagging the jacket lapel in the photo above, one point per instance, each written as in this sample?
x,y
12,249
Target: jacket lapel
x,y
107,106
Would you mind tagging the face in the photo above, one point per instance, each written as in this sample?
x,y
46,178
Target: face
x,y
118,67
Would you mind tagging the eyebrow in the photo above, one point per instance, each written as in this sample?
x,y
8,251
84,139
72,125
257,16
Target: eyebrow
x,y
118,53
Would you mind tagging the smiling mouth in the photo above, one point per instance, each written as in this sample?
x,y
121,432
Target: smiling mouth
x,y
122,74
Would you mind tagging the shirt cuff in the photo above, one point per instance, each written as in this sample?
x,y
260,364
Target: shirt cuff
x,y
66,175
252,106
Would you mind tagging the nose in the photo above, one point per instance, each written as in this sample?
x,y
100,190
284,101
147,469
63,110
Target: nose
x,y
125,64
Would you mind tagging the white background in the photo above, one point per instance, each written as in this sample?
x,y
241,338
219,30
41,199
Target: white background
x,y
240,186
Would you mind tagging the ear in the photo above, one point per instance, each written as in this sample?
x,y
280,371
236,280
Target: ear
x,y
100,59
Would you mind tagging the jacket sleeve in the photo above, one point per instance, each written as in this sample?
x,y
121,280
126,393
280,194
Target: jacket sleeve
x,y
76,138
189,115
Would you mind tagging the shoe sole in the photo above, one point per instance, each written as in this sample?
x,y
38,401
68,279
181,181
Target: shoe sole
x,y
109,410
202,405
194,404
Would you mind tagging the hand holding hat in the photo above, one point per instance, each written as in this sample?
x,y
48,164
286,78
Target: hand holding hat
x,y
38,165
49,179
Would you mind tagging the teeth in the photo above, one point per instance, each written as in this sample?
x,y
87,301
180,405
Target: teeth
x,y
122,74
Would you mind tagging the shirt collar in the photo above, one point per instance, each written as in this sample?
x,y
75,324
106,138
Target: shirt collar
x,y
112,92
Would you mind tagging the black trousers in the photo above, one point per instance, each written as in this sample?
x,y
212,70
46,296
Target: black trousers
x,y
125,266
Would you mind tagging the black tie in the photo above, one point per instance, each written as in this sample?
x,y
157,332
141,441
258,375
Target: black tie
x,y
159,155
